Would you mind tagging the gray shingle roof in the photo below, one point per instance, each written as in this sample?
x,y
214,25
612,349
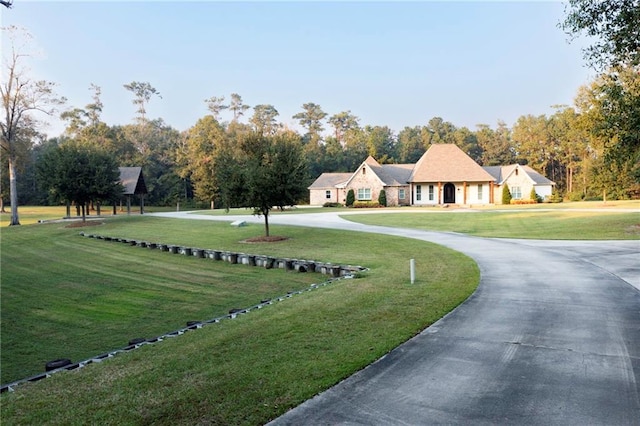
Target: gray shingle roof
x,y
501,173
330,180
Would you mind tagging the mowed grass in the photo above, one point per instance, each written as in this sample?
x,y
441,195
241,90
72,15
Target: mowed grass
x,y
61,291
533,224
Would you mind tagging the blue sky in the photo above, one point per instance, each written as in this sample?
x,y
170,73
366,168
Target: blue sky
x,y
390,63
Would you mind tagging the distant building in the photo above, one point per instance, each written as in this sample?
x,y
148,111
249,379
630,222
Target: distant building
x,y
133,181
443,175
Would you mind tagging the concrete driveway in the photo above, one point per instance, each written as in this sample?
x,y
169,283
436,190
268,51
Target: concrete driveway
x,y
551,336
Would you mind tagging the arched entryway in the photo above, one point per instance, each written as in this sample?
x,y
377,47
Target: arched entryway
x,y
449,193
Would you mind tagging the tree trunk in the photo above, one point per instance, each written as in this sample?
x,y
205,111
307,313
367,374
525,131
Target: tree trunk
x,y
13,189
266,224
68,209
83,212
2,205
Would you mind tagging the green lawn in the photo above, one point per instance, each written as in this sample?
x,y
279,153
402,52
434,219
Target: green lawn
x,y
531,223
68,296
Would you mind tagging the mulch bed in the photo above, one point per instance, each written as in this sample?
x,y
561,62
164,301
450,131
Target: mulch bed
x,y
264,239
80,224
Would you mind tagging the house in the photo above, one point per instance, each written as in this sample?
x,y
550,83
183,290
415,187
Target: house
x,y
446,175
520,180
132,180
443,175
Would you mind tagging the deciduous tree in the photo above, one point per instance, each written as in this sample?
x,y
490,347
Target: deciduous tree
x,y
613,25
22,98
263,172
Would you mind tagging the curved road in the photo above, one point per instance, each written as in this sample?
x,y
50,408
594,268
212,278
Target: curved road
x,y
551,336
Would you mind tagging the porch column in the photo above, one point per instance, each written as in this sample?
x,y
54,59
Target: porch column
x,y
439,193
490,192
464,192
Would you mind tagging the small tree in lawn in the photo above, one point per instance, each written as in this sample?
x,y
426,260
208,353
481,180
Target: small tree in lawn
x,y
382,198
351,198
263,172
506,195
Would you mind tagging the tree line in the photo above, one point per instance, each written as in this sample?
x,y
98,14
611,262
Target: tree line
x,y
590,149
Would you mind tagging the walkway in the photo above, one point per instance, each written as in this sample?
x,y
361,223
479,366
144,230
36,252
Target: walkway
x,y
551,336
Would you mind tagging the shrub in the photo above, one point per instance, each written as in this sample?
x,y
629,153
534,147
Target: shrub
x,y
506,195
331,204
575,196
555,197
382,198
365,204
523,201
351,198
534,196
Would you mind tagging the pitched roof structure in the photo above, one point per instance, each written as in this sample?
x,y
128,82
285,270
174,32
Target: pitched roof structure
x,y
394,174
448,163
330,180
132,180
501,173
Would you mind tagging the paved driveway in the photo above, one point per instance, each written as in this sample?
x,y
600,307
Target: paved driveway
x,y
551,336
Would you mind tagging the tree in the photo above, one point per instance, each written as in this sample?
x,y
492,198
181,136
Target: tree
x,y
410,145
215,105
22,98
264,119
440,131
198,157
80,174
6,3
506,195
495,145
142,92
609,112
533,195
237,107
382,198
311,119
343,122
381,143
262,173
614,25
351,198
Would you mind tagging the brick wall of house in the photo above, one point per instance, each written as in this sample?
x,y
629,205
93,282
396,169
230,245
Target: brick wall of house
x,y
368,179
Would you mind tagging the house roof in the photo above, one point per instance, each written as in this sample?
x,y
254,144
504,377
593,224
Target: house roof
x,y
330,180
537,177
394,174
448,163
501,173
132,180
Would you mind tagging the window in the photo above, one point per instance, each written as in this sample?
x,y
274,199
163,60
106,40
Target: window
x,y
431,196
418,192
401,194
516,192
327,194
364,193
480,192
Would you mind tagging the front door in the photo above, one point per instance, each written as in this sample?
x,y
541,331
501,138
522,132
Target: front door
x,y
449,193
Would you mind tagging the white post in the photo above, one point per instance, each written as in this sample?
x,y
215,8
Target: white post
x,y
412,267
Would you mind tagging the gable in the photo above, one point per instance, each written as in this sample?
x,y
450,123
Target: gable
x,y
132,180
448,163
